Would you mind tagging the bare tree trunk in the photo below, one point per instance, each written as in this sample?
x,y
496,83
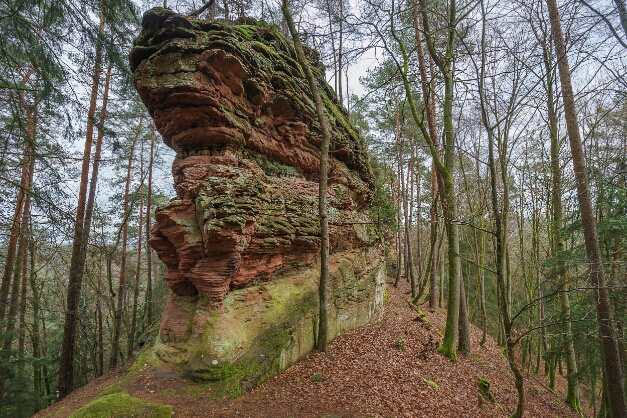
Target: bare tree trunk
x,y
35,338
399,250
400,246
148,215
225,4
339,55
433,289
14,234
416,177
115,345
324,161
19,204
409,268
131,337
500,236
446,168
441,269
19,271
482,300
621,5
436,180
572,397
100,337
77,263
331,34
464,345
611,357
22,323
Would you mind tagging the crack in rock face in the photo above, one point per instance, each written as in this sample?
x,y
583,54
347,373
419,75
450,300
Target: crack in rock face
x,y
232,101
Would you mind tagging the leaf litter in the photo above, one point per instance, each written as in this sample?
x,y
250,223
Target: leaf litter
x,y
389,368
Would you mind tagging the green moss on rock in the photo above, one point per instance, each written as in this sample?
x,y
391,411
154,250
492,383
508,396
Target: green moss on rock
x,y
120,404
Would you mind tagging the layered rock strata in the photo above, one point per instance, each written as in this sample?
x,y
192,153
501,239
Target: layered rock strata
x,y
241,239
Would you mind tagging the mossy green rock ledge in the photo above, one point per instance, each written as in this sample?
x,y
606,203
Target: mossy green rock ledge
x,y
241,239
120,405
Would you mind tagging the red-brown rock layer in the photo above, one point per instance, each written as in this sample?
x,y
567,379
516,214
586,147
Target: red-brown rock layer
x,y
234,104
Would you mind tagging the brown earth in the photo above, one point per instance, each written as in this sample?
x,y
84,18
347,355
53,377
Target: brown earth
x,y
366,372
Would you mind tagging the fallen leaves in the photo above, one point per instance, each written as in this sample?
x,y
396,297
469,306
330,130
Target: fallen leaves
x,y
367,372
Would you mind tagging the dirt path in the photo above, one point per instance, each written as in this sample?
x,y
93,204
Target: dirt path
x,y
386,369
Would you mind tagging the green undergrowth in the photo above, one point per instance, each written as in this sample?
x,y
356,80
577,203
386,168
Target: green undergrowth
x,y
116,402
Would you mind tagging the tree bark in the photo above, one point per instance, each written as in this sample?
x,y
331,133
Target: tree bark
x,y
500,232
339,55
19,271
559,273
19,204
621,5
35,338
77,263
131,337
23,287
148,218
115,345
463,345
611,357
322,203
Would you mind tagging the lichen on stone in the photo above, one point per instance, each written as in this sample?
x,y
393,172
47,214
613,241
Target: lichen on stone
x,y
241,239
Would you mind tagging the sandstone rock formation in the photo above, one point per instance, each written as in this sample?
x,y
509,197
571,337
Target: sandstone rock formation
x,y
241,238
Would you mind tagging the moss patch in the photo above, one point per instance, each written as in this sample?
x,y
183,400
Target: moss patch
x,y
273,168
120,404
230,380
111,390
432,384
484,389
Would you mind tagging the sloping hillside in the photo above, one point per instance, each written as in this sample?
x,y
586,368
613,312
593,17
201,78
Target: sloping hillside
x,y
386,369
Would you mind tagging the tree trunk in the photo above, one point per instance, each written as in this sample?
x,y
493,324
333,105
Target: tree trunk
x,y
611,357
409,193
433,289
335,72
339,55
500,238
324,161
401,243
22,323
115,345
436,180
416,177
148,218
131,337
621,5
19,270
100,338
559,273
464,345
21,196
77,263
35,338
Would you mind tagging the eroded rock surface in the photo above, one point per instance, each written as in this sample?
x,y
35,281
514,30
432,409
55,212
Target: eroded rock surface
x,y
234,104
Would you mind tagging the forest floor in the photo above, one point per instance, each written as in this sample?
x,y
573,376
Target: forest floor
x,y
386,369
